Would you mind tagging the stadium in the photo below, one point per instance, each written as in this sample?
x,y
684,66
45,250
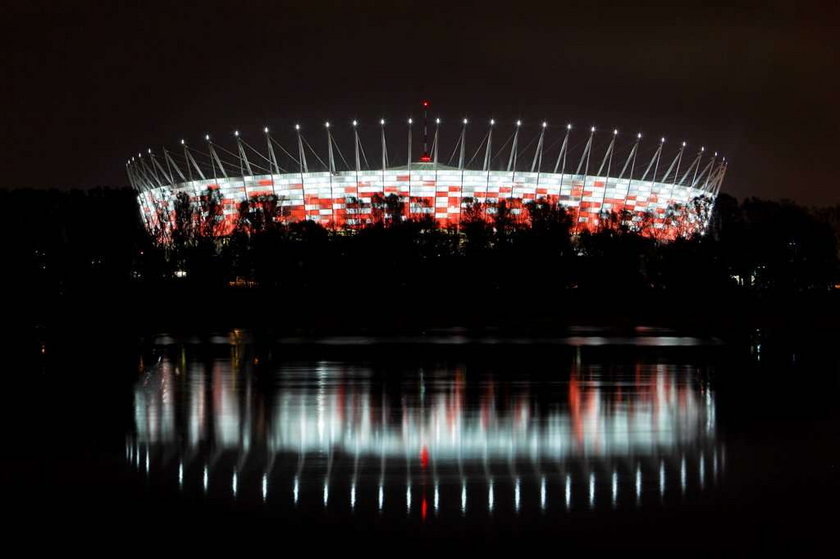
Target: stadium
x,y
599,177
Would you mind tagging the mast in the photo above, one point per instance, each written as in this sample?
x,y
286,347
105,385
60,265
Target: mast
x,y
564,150
170,163
358,168
461,157
608,157
488,151
538,154
190,159
408,205
272,161
435,148
384,155
425,157
331,164
303,169
587,151
654,162
631,160
677,160
215,157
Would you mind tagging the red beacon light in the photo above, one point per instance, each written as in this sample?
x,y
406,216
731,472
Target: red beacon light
x,y
425,158
425,104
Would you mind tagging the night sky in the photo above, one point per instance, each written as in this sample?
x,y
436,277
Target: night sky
x,y
85,86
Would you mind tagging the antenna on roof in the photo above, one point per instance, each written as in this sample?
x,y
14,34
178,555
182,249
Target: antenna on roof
x,y
425,157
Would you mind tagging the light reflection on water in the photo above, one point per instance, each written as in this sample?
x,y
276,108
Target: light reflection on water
x,y
455,439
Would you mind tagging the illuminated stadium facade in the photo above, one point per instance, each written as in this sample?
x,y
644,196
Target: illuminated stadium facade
x,y
653,190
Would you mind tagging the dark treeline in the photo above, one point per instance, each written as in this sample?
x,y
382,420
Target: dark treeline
x,y
62,244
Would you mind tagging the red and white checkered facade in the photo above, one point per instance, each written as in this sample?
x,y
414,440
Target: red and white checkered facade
x,y
346,198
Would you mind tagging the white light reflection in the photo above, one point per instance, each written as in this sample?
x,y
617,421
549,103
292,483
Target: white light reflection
x,y
661,478
516,495
295,490
408,498
714,463
542,494
308,423
568,491
638,484
326,492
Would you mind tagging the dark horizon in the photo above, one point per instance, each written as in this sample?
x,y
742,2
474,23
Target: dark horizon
x,y
89,85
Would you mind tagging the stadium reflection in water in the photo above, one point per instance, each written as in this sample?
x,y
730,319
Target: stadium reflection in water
x,y
348,439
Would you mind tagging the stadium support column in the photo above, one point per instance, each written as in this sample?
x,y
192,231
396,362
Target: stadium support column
x,y
677,160
272,160
461,158
215,157
561,158
152,167
587,151
538,155
151,177
654,162
631,160
408,205
140,173
384,155
131,180
697,166
170,164
244,164
166,174
694,166
715,190
358,168
711,168
331,163
435,143
488,153
191,160
608,157
720,178
303,169
512,159
425,157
